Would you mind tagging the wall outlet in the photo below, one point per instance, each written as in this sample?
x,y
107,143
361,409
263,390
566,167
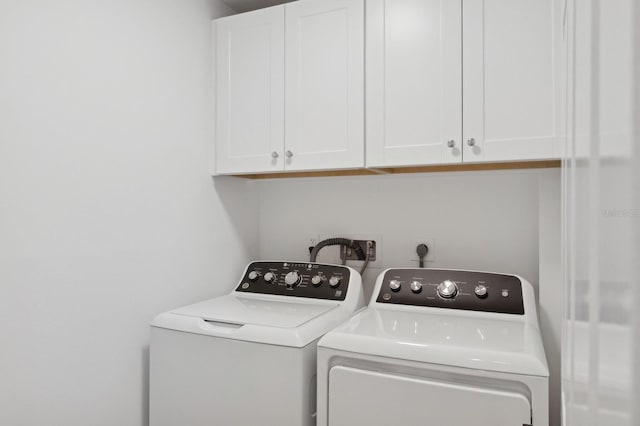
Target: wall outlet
x,y
310,240
413,256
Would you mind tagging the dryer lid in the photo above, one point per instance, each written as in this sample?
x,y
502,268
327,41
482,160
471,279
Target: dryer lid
x,y
257,311
450,340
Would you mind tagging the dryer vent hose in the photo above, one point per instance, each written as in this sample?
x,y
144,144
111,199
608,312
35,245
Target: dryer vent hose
x,y
337,242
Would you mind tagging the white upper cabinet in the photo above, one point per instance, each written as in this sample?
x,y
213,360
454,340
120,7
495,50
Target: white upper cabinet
x,y
482,74
447,82
315,73
414,74
250,92
324,84
511,79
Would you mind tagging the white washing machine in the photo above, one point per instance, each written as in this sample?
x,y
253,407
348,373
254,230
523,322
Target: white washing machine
x,y
249,358
437,348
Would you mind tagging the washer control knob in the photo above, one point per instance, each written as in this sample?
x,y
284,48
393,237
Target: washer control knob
x,y
395,285
416,287
254,275
317,280
334,281
448,289
292,279
270,277
481,291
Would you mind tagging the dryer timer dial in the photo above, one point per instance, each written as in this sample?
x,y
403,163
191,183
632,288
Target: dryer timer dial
x,y
447,289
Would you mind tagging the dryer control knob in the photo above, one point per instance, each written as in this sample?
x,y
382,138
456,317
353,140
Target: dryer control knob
x,y
292,279
448,289
395,285
317,280
481,291
269,277
334,281
416,287
254,275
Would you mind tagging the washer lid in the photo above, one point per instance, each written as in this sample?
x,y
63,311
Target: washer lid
x,y
256,311
451,340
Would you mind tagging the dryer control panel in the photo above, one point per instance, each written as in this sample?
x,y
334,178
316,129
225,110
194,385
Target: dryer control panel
x,y
312,280
453,289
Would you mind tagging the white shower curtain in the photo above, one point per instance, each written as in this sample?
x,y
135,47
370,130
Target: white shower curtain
x,y
601,213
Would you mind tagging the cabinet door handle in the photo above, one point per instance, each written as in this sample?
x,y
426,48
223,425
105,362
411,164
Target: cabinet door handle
x,y
471,141
274,154
289,154
451,143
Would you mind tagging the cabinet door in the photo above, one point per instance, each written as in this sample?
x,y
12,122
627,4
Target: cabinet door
x,y
511,79
414,82
250,92
325,84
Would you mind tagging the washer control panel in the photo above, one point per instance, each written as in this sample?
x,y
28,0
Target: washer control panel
x,y
443,288
313,280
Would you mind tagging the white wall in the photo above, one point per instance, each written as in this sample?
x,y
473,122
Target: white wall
x,y
107,213
504,221
474,220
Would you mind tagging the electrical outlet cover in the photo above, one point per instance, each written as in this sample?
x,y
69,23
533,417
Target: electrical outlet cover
x,y
310,241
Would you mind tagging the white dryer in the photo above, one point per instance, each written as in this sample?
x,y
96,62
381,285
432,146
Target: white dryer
x,y
437,348
249,358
